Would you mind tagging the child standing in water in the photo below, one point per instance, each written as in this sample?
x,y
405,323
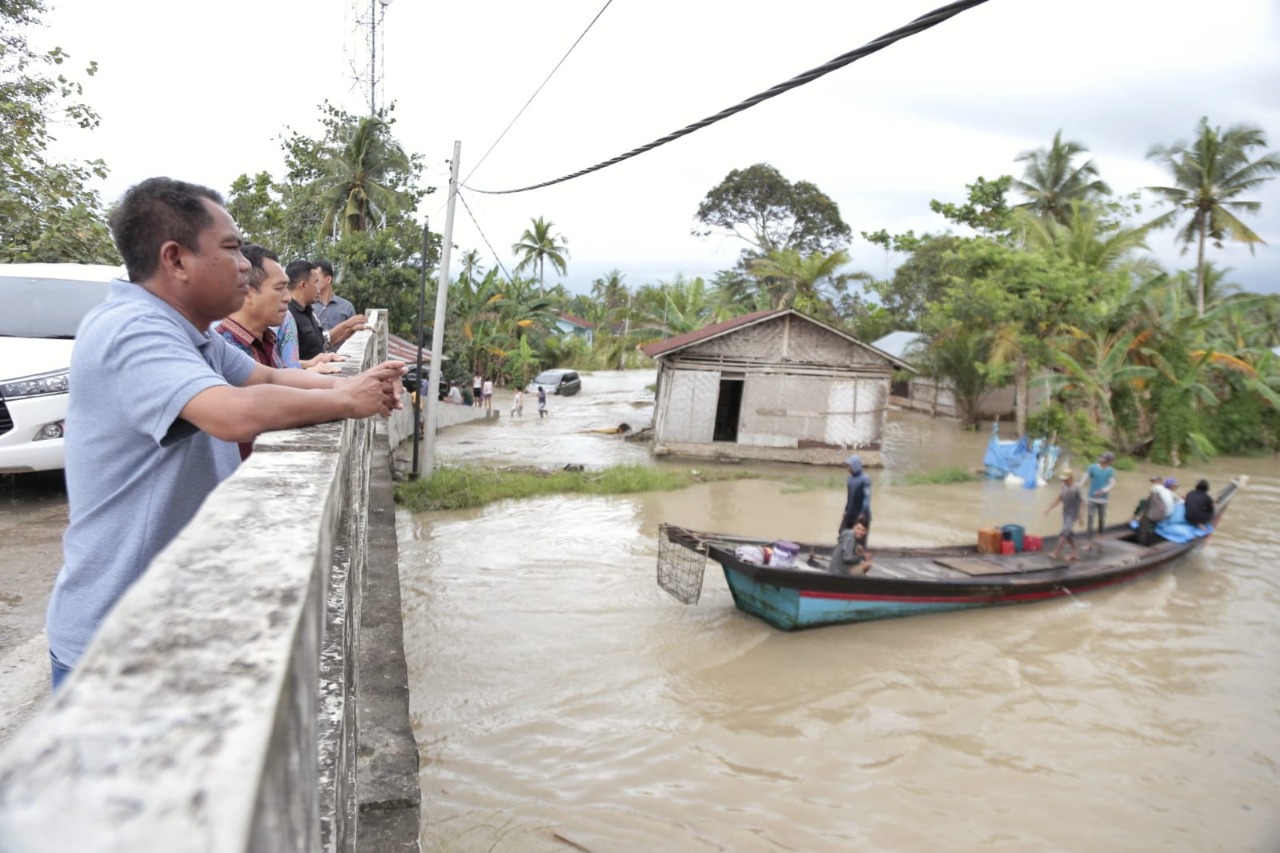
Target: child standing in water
x,y
542,402
517,405
1071,499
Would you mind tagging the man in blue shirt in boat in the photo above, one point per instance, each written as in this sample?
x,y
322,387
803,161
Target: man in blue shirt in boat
x,y
857,505
1101,479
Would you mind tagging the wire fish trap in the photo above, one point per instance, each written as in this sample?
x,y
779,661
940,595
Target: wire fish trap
x,y
682,561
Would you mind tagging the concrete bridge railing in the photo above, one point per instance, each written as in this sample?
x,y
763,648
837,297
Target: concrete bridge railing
x,y
216,708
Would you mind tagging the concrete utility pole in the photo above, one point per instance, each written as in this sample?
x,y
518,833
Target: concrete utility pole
x,y
437,326
418,402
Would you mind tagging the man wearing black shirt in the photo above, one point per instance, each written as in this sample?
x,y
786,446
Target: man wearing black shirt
x,y
312,339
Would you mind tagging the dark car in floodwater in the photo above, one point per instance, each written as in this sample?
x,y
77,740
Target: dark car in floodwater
x,y
559,381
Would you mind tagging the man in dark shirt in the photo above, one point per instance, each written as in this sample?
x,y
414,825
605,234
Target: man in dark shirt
x,y
1199,506
312,340
857,506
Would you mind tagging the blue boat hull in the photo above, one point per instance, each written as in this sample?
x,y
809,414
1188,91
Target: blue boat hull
x,y
793,609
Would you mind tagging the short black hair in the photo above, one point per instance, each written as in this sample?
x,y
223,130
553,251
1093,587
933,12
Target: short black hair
x,y
298,271
324,267
256,254
154,212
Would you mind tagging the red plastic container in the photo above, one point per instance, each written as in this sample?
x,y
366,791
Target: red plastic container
x,y
1006,547
1032,543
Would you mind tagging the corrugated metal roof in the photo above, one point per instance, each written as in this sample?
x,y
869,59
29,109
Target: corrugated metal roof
x,y
715,330
406,351
577,321
658,348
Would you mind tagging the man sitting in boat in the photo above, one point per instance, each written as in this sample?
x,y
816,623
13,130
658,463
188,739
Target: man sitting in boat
x,y
1199,505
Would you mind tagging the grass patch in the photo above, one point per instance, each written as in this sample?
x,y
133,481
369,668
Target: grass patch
x,y
942,476
1125,463
468,487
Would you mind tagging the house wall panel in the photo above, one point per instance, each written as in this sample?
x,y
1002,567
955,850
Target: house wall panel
x,y
689,405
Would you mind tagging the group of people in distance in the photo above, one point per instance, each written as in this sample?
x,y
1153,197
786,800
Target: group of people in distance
x,y
1094,495
482,395
162,408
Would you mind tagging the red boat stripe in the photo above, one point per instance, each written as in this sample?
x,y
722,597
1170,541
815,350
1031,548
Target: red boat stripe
x,y
950,599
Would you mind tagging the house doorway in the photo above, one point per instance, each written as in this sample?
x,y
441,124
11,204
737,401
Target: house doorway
x,y
728,408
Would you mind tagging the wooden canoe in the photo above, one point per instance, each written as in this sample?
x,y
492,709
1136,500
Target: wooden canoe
x,y
908,581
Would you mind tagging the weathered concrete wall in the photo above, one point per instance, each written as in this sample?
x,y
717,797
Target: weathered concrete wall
x,y
216,708
400,424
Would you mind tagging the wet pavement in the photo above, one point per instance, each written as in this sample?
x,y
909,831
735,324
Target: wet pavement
x,y
33,514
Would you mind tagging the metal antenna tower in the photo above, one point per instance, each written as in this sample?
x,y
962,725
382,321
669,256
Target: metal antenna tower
x,y
368,59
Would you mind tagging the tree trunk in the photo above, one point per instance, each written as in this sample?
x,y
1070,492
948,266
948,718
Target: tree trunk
x,y
1021,379
1204,226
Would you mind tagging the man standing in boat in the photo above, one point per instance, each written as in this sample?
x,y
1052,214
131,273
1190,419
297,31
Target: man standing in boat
x,y
1101,479
1070,498
857,506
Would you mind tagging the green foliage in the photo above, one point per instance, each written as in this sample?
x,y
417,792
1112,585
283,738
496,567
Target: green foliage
x,y
1053,184
920,280
1211,174
1073,431
986,210
761,207
1243,425
469,487
539,244
348,197
941,476
959,356
48,211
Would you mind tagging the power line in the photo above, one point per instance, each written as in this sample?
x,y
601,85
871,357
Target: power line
x,y
463,199
919,25
536,91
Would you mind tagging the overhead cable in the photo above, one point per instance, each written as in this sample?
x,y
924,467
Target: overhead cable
x,y
919,25
463,199
536,91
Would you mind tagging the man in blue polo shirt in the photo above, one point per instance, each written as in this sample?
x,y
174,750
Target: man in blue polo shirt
x,y
157,401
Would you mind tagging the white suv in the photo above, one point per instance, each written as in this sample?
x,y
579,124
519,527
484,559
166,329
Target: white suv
x,y
44,304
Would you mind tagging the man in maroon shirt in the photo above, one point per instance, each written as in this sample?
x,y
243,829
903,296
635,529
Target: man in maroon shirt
x,y
266,305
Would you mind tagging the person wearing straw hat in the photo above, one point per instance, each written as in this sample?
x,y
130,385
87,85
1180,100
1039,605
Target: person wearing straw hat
x,y
1070,497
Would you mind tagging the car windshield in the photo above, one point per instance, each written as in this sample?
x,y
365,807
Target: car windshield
x,y
551,377
46,307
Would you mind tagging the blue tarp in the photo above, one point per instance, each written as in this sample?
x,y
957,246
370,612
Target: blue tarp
x,y
1175,527
1029,461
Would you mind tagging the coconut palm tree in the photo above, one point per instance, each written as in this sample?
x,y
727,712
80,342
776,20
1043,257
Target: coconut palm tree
x,y
537,246
1051,181
1210,175
358,180
807,283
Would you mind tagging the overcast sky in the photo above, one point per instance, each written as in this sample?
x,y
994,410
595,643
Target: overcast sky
x,y
204,91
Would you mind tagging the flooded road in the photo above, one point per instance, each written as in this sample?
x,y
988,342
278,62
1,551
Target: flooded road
x,y
557,691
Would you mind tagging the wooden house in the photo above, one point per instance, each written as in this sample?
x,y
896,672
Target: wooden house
x,y
773,385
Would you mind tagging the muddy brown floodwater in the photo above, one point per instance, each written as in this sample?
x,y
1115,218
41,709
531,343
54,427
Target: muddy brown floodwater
x,y
556,691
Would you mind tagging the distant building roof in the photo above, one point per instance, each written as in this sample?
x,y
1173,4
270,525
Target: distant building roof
x,y
406,351
715,330
897,344
577,321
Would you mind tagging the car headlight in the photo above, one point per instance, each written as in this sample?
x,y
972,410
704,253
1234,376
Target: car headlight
x,y
36,386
